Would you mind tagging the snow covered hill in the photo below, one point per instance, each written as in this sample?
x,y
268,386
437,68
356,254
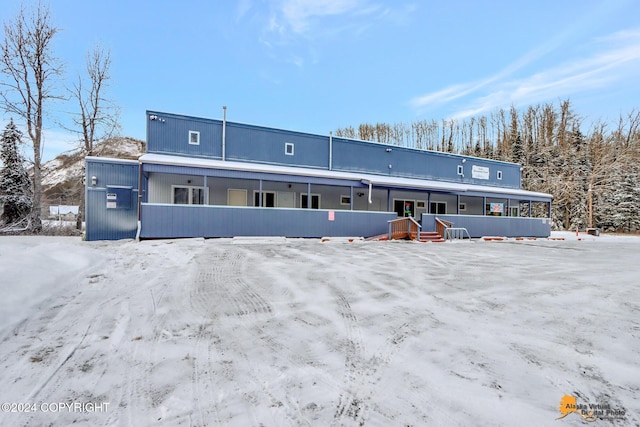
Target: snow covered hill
x,y
62,176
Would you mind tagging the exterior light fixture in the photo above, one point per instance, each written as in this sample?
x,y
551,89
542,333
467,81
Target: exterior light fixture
x,y
388,150
153,117
94,180
464,160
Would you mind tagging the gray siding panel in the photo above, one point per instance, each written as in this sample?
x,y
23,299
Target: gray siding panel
x,y
265,145
349,155
479,226
169,133
172,221
110,224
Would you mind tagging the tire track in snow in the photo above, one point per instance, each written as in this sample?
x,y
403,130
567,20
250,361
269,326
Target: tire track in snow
x,y
222,293
220,288
362,375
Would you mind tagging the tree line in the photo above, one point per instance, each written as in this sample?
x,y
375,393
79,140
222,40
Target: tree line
x,y
593,174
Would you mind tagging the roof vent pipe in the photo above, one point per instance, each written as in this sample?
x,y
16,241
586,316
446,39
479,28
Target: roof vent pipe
x,y
330,150
224,131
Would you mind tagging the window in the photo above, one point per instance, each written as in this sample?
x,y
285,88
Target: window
x,y
499,175
345,200
194,137
438,208
288,148
420,204
188,195
315,201
462,207
460,170
268,199
404,208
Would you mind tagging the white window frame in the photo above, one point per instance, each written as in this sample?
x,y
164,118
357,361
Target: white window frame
x,y
205,194
289,148
462,206
460,170
342,200
275,198
499,175
311,201
197,135
438,202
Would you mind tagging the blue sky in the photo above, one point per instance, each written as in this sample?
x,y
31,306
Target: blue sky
x,y
319,65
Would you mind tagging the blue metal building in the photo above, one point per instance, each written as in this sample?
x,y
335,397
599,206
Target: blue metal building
x,y
215,178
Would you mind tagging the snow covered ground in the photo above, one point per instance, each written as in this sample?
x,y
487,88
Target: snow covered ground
x,y
276,332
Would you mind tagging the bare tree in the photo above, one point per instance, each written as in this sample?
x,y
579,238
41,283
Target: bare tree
x,y
97,118
30,71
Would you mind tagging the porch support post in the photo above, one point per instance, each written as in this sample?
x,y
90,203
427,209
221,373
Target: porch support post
x,y
206,191
484,206
458,205
530,208
508,207
549,212
429,202
388,200
308,195
351,198
260,194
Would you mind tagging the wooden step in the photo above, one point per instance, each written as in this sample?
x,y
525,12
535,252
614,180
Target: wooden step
x,y
430,236
379,238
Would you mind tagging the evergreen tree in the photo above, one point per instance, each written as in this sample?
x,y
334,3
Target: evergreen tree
x,y
16,196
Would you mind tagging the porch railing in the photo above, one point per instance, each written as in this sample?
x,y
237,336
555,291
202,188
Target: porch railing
x,y
442,226
404,228
460,233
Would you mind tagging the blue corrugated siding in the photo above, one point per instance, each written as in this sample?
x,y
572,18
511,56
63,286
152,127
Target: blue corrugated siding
x,y
349,155
264,145
175,221
479,226
110,224
169,134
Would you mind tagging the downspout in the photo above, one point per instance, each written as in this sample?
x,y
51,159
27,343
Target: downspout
x,y
139,201
366,181
224,131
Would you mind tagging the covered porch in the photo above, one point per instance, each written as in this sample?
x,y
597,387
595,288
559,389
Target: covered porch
x,y
186,197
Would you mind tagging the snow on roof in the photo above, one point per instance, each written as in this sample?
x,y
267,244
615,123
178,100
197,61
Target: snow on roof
x,y
375,180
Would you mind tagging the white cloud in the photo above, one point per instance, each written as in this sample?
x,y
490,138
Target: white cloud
x,y
298,14
614,57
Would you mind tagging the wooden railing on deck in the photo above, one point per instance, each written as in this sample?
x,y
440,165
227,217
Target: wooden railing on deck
x,y
441,226
403,228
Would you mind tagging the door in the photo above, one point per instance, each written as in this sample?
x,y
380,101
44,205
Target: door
x,y
236,197
404,208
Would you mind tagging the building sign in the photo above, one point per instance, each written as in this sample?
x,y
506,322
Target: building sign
x,y
479,172
332,216
497,208
112,201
